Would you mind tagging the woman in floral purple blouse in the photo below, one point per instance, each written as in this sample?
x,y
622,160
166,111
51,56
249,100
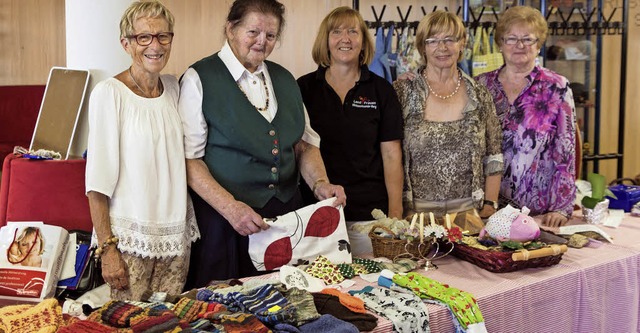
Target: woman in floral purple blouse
x,y
537,113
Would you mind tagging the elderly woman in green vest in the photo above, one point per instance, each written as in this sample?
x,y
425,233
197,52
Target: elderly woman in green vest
x,y
247,141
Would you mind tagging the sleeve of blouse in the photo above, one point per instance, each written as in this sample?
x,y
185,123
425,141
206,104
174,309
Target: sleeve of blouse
x,y
190,109
563,190
493,160
103,152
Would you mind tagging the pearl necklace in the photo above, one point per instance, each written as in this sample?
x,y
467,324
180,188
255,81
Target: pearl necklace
x,y
455,91
266,90
137,85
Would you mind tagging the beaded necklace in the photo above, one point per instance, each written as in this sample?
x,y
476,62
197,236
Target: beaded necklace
x,y
266,90
455,91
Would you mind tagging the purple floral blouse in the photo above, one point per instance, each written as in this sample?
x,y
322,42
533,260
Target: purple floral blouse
x,y
538,142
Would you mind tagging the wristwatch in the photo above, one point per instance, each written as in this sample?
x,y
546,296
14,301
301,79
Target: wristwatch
x,y
491,203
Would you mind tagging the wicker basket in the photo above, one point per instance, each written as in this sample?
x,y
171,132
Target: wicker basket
x,y
392,247
500,262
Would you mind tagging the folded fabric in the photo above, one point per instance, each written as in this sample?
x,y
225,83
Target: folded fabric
x,y
350,270
407,312
352,303
329,304
324,269
43,317
462,303
371,266
326,323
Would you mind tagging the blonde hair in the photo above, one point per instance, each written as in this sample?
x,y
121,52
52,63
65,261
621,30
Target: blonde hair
x,y
437,22
28,231
336,18
140,9
522,15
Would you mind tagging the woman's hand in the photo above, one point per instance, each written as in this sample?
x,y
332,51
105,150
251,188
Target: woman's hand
x,y
114,270
325,190
244,219
554,219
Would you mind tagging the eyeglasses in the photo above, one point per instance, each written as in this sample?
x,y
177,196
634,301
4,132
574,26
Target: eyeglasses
x,y
433,42
528,41
163,38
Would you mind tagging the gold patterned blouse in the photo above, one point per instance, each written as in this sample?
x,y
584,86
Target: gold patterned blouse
x,y
445,161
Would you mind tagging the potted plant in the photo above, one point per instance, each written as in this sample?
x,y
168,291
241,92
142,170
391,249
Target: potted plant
x,y
595,207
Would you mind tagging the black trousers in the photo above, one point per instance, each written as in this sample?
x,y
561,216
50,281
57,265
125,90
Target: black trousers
x,y
221,253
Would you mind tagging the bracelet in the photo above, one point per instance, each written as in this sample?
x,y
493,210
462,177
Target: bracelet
x,y
112,240
318,182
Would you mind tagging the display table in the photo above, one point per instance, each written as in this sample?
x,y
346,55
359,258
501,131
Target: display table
x,y
590,290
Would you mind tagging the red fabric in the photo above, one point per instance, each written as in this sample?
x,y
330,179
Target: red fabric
x,y
49,191
19,108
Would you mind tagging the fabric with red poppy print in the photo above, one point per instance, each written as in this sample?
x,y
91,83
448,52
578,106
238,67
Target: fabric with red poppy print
x,y
538,142
301,236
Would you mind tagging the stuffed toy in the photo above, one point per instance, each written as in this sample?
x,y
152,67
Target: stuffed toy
x,y
511,224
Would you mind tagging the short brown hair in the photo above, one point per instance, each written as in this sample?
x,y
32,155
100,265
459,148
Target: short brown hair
x,y
522,15
337,17
436,22
141,9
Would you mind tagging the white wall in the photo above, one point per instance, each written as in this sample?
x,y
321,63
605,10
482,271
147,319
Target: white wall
x,y
93,43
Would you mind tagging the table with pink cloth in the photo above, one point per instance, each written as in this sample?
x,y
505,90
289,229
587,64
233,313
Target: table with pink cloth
x,y
590,290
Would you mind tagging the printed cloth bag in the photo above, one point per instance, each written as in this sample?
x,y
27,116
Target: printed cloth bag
x,y
301,236
485,57
31,258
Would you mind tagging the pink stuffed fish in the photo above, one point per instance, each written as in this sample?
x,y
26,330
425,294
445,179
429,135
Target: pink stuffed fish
x,y
510,224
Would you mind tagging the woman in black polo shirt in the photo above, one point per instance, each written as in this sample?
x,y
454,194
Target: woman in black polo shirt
x,y
357,115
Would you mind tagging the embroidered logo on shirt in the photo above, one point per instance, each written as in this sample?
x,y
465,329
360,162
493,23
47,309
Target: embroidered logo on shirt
x,y
364,103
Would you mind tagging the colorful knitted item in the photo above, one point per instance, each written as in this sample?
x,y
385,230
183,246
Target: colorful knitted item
x,y
189,309
268,304
324,269
155,320
463,304
302,300
353,303
119,313
370,265
237,322
43,317
76,325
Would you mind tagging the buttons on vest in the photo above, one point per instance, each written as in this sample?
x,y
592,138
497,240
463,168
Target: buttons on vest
x,y
274,170
275,151
272,132
271,186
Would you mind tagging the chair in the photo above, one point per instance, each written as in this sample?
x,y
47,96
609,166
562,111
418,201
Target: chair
x,y
51,191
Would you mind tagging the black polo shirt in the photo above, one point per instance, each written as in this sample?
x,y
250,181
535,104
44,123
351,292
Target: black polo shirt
x,y
351,133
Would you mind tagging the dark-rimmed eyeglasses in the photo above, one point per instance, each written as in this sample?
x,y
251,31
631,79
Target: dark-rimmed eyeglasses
x,y
433,42
528,41
163,38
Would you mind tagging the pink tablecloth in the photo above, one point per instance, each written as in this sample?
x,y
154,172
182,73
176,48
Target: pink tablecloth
x,y
590,290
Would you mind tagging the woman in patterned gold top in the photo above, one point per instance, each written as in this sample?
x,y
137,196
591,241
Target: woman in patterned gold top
x,y
452,138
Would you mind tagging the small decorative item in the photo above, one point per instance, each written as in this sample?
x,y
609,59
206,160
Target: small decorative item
x,y
510,224
595,207
431,237
419,240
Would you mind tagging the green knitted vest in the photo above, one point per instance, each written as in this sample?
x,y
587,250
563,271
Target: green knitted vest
x,y
251,158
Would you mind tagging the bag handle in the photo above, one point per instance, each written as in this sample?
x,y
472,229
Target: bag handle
x,y
13,243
